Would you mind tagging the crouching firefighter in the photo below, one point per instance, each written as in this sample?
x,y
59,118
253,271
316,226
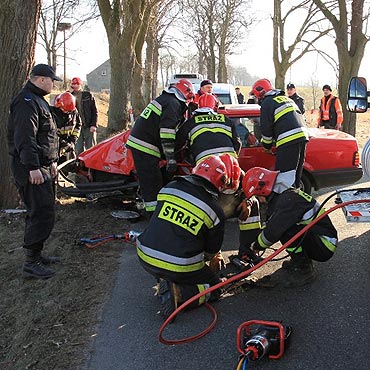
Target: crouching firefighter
x,y
186,230
289,210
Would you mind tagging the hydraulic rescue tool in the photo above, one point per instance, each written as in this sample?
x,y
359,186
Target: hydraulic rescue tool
x,y
257,339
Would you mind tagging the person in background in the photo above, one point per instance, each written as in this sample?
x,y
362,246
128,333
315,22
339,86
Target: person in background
x,y
33,149
68,125
240,96
186,231
330,110
291,91
289,210
282,125
152,138
206,87
86,107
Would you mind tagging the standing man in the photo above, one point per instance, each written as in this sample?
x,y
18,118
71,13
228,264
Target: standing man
x,y
153,138
282,124
33,149
240,96
88,112
330,110
291,91
186,230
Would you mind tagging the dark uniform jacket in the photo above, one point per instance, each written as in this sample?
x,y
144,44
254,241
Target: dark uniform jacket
x,y
187,223
68,125
208,134
32,133
157,124
299,101
294,207
280,120
88,111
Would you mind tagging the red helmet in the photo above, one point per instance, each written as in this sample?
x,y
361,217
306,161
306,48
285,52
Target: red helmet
x,y
258,181
66,102
207,101
76,81
261,87
185,87
222,171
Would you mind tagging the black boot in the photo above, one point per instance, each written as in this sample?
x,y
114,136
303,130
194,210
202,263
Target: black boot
x,y
296,272
33,266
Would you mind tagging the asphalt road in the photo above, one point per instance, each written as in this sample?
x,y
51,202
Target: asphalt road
x,y
330,317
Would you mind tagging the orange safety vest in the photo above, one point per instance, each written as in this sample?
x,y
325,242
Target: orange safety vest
x,y
330,110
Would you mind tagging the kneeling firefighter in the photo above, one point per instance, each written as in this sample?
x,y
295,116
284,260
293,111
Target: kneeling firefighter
x,y
289,210
186,231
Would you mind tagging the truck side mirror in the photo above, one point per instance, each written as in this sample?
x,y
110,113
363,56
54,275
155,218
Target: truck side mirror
x,y
357,95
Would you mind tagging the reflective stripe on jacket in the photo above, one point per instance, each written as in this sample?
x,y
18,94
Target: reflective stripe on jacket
x,y
330,111
281,120
187,223
208,134
294,207
157,123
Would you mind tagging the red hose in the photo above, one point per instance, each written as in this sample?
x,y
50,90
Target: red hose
x,y
239,277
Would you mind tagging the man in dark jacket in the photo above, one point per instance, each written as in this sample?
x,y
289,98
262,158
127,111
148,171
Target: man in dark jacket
x,y
186,230
88,112
239,95
289,210
153,136
282,124
291,91
33,149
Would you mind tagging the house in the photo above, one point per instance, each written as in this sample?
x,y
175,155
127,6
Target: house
x,y
98,80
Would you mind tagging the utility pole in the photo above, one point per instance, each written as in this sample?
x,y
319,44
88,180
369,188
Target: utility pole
x,y
64,27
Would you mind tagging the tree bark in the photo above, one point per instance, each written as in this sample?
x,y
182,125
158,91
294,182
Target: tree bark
x,y
18,30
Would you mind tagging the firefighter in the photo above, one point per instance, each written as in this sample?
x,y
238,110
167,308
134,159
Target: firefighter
x,y
68,125
330,110
187,230
283,124
207,133
153,136
289,210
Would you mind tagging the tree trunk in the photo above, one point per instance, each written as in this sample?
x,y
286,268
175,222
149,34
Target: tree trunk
x,y
18,30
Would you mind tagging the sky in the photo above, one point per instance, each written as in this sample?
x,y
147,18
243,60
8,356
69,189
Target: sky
x,y
89,49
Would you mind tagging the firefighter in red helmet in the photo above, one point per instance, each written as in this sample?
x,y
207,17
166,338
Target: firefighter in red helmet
x,y
187,230
289,210
282,125
153,137
68,124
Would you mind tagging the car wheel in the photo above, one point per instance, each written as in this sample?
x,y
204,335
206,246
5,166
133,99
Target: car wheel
x,y
305,184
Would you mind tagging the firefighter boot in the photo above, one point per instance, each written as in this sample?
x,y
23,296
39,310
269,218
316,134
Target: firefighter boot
x,y
33,266
48,260
296,272
166,298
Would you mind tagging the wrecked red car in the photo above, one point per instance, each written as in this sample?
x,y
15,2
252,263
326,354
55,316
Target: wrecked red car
x,y
332,159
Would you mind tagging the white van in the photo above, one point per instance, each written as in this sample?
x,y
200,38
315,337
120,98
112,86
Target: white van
x,y
194,78
225,92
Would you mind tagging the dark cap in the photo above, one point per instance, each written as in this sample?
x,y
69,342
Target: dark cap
x,y
45,71
206,82
326,87
290,86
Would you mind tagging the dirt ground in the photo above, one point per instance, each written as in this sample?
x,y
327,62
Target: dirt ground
x,y
50,324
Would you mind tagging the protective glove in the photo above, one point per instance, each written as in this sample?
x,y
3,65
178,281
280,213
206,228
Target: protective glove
x,y
255,246
171,165
244,209
217,263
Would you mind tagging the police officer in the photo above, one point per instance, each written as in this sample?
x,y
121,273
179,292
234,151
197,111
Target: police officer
x,y
292,93
282,123
289,210
153,138
186,230
33,148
